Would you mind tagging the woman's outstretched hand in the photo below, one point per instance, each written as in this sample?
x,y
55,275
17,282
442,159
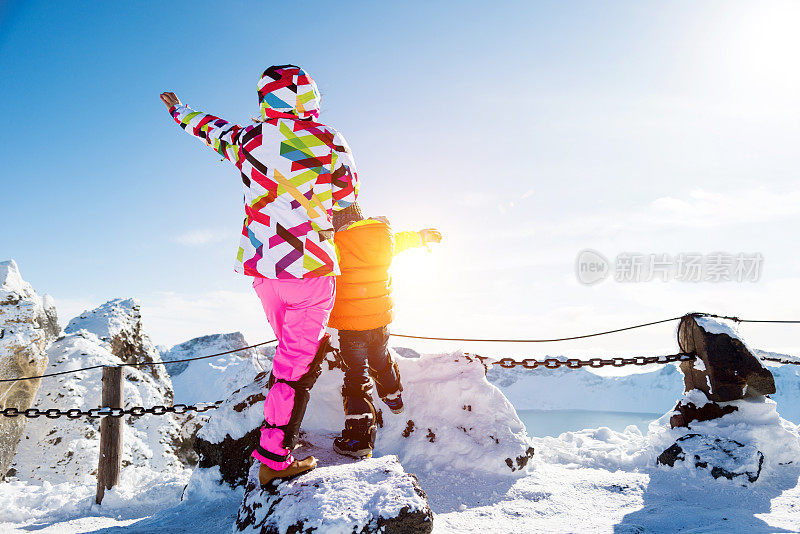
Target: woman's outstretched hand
x,y
169,100
431,235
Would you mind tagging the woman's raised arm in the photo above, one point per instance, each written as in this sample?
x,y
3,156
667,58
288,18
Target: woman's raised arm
x,y
215,132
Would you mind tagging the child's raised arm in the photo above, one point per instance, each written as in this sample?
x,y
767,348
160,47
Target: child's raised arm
x,y
217,133
406,240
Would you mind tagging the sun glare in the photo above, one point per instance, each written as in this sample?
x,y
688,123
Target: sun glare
x,y
763,41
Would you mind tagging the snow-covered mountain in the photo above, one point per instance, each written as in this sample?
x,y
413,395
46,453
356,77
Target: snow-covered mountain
x,y
28,324
66,450
214,378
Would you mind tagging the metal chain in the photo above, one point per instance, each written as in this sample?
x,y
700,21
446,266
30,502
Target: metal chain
x,y
338,363
575,363
553,363
780,360
136,411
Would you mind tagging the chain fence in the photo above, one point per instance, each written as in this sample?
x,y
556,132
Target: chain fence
x,y
780,360
337,362
136,411
576,363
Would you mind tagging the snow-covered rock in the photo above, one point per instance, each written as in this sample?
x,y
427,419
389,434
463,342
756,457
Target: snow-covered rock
x,y
748,437
230,433
66,450
373,495
722,457
454,419
209,380
118,324
725,368
28,324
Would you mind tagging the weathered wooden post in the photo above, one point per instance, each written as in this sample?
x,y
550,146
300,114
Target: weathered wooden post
x,y
110,463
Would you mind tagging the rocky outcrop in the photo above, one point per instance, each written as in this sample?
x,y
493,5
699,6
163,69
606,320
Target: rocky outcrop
x,y
724,369
213,344
721,457
108,335
118,324
373,495
724,424
453,419
213,379
231,432
28,324
739,446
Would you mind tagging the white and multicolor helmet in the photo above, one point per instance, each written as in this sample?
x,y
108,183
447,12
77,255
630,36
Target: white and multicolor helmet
x,y
288,90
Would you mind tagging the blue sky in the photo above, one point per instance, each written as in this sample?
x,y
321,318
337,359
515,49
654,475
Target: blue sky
x,y
525,131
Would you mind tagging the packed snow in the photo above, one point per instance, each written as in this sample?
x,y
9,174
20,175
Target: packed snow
x,y
454,418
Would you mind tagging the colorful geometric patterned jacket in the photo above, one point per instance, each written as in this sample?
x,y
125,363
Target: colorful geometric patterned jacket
x,y
295,172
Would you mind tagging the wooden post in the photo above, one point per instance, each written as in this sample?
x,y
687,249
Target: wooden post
x,y
110,464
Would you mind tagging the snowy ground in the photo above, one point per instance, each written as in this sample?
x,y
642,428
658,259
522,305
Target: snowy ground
x,y
589,481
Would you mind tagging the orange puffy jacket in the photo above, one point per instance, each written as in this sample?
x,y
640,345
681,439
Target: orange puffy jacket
x,y
364,289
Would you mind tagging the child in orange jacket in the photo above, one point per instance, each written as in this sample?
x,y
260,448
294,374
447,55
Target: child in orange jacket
x,y
362,313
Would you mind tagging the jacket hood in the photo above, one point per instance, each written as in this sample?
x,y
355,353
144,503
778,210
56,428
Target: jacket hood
x,y
288,91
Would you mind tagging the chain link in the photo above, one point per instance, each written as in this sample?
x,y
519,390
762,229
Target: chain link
x,y
555,363
336,362
575,363
136,411
780,360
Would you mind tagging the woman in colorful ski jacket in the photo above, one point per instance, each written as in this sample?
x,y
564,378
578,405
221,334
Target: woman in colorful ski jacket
x,y
295,172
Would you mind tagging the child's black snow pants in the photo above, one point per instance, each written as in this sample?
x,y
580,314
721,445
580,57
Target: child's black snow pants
x,y
366,358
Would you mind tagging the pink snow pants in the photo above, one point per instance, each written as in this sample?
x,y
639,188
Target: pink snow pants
x,y
297,311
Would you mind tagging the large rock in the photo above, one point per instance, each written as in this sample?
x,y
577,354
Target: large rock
x,y
66,450
722,457
724,370
748,439
453,419
28,324
373,495
209,380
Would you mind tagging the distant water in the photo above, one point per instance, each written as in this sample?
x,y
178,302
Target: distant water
x,y
542,423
